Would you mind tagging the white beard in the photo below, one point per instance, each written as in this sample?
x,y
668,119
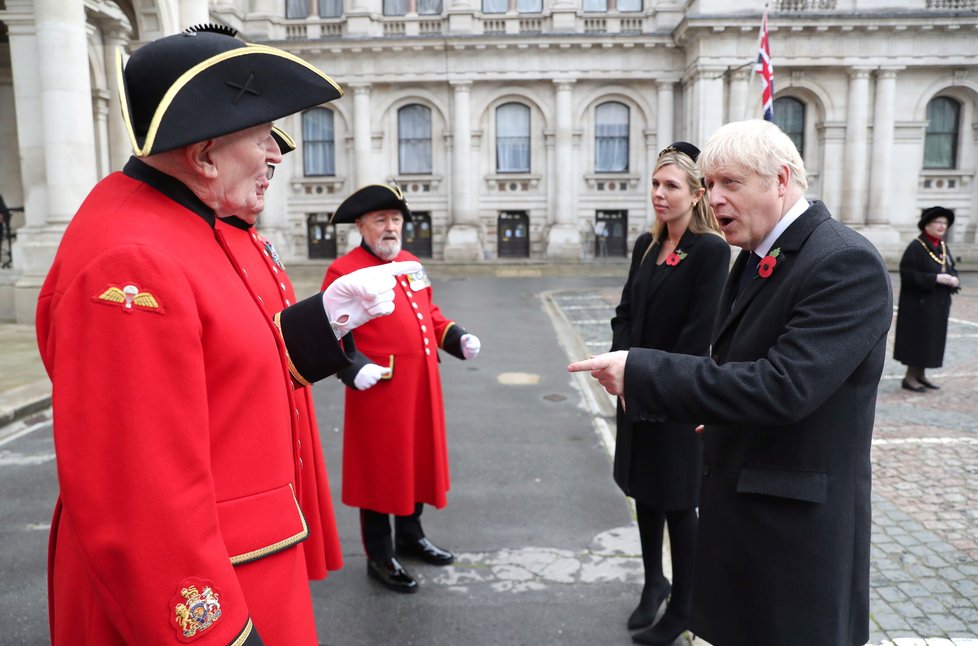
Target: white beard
x,y
388,249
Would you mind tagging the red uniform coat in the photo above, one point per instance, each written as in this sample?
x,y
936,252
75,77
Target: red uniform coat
x,y
264,272
394,448
174,431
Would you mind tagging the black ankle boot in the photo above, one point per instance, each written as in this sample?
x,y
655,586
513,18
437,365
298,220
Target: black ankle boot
x,y
648,607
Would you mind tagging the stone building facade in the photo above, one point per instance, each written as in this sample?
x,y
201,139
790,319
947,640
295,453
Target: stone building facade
x,y
517,128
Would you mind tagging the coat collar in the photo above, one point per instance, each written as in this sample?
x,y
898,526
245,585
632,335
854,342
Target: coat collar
x,y
170,187
789,242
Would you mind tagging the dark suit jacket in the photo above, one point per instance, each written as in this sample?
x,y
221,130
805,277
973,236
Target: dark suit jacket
x,y
668,308
789,399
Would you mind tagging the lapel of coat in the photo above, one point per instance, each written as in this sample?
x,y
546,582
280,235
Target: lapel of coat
x,y
789,242
663,273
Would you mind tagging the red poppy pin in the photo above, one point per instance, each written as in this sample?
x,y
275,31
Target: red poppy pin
x,y
768,263
673,259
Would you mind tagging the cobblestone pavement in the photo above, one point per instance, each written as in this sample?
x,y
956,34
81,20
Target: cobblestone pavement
x,y
924,570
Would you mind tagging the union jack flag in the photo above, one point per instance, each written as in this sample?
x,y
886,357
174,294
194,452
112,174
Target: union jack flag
x,y
765,69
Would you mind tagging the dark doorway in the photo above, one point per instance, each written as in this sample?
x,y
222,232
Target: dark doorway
x,y
417,234
513,232
322,236
610,228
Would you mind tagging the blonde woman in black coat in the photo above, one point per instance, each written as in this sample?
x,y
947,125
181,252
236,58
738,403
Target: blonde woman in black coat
x,y
927,280
669,302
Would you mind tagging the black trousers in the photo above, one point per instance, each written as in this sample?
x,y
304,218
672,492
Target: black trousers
x,y
375,530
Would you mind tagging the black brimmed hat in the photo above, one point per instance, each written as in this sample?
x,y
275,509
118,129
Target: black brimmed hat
x,y
933,213
205,83
286,143
375,197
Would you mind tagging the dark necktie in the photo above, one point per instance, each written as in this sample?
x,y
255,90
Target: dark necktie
x,y
750,270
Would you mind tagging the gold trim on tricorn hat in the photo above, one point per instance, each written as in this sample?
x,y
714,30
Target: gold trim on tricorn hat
x,y
285,142
374,197
204,83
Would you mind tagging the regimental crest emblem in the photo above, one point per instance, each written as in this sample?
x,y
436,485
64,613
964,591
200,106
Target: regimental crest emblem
x,y
195,608
131,298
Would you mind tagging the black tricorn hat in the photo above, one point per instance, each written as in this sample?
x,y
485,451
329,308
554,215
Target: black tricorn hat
x,y
933,213
375,197
285,142
204,83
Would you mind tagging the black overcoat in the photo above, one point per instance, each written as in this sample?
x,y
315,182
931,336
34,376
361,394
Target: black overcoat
x,y
925,304
669,308
788,398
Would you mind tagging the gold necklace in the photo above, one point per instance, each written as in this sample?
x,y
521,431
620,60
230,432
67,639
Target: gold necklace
x,y
940,261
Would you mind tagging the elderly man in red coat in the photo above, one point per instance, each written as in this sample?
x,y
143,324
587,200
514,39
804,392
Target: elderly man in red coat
x,y
174,392
394,451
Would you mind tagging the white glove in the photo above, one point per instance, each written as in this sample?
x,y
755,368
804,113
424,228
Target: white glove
x,y
369,375
470,346
948,279
364,294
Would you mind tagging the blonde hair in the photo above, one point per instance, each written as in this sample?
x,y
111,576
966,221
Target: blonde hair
x,y
756,145
703,220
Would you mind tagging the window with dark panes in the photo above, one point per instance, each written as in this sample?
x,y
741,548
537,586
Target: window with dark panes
x,y
789,115
296,9
512,138
318,142
429,7
941,139
330,8
395,7
414,140
611,138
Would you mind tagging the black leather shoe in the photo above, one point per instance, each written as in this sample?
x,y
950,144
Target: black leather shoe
x,y
664,633
906,385
928,384
425,550
648,607
392,575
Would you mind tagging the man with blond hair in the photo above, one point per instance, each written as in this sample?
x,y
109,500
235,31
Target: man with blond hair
x,y
788,402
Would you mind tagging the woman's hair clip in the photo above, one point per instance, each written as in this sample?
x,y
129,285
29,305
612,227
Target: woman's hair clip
x,y
683,147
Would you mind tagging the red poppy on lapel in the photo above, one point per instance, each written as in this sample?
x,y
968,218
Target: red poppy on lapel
x,y
673,259
768,263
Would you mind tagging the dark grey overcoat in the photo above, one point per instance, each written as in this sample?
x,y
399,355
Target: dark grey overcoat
x,y
925,304
668,308
788,399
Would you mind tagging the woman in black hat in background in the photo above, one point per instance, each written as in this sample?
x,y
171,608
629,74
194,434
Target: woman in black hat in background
x,y
669,302
927,280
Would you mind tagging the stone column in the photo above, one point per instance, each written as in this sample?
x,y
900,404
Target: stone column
x,y
664,113
708,103
879,202
120,148
361,137
881,165
463,241
52,50
563,237
832,137
857,124
739,105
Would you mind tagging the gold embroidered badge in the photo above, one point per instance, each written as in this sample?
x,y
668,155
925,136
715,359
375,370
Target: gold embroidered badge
x,y
129,296
196,608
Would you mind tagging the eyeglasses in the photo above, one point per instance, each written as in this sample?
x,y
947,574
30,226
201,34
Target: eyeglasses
x,y
270,173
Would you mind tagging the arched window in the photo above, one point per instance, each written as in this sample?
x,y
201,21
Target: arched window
x,y
512,138
414,140
611,138
941,140
318,142
789,115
